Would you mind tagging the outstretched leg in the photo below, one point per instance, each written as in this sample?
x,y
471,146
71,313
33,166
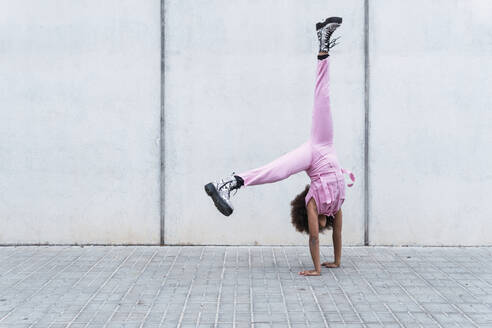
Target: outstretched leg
x,y
290,163
322,124
281,168
322,121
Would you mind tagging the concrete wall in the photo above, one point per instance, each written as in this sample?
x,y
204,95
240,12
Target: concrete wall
x,y
79,121
430,118
239,87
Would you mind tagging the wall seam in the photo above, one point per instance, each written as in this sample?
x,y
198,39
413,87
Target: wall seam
x,y
162,134
366,123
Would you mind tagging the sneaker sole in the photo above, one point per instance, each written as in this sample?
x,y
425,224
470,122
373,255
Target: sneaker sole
x,y
337,20
221,205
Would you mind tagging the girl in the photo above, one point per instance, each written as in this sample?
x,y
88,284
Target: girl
x,y
318,207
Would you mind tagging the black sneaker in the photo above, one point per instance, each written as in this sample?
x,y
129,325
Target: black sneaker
x,y
325,30
220,191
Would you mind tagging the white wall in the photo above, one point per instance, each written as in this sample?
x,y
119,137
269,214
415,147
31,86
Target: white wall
x,y
239,88
430,119
79,121
80,118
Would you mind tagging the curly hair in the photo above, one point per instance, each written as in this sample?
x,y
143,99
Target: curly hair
x,y
298,212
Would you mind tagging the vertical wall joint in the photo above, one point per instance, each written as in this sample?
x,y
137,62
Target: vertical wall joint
x,y
162,176
366,122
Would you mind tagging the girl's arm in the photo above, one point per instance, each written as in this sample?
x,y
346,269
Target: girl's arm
x,y
313,242
337,241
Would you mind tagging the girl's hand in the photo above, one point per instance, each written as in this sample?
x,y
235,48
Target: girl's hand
x,y
310,273
330,264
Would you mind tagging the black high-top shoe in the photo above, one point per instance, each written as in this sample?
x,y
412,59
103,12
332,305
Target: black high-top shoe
x,y
325,30
220,191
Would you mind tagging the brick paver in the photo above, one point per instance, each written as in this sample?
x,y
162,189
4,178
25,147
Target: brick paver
x,y
208,286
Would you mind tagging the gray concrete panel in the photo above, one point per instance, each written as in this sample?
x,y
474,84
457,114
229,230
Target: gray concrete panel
x,y
79,121
430,136
239,85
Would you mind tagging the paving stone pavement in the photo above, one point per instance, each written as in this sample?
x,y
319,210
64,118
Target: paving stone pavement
x,y
209,286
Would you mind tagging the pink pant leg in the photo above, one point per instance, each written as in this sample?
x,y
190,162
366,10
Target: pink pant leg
x,y
288,164
322,123
300,158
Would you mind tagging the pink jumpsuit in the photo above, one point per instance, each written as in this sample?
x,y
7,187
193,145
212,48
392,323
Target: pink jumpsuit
x,y
316,156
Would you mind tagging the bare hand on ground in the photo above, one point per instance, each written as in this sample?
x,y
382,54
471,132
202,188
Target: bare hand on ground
x,y
330,264
310,273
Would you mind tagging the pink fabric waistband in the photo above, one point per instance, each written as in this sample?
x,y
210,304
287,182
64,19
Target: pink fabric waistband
x,y
324,177
331,167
